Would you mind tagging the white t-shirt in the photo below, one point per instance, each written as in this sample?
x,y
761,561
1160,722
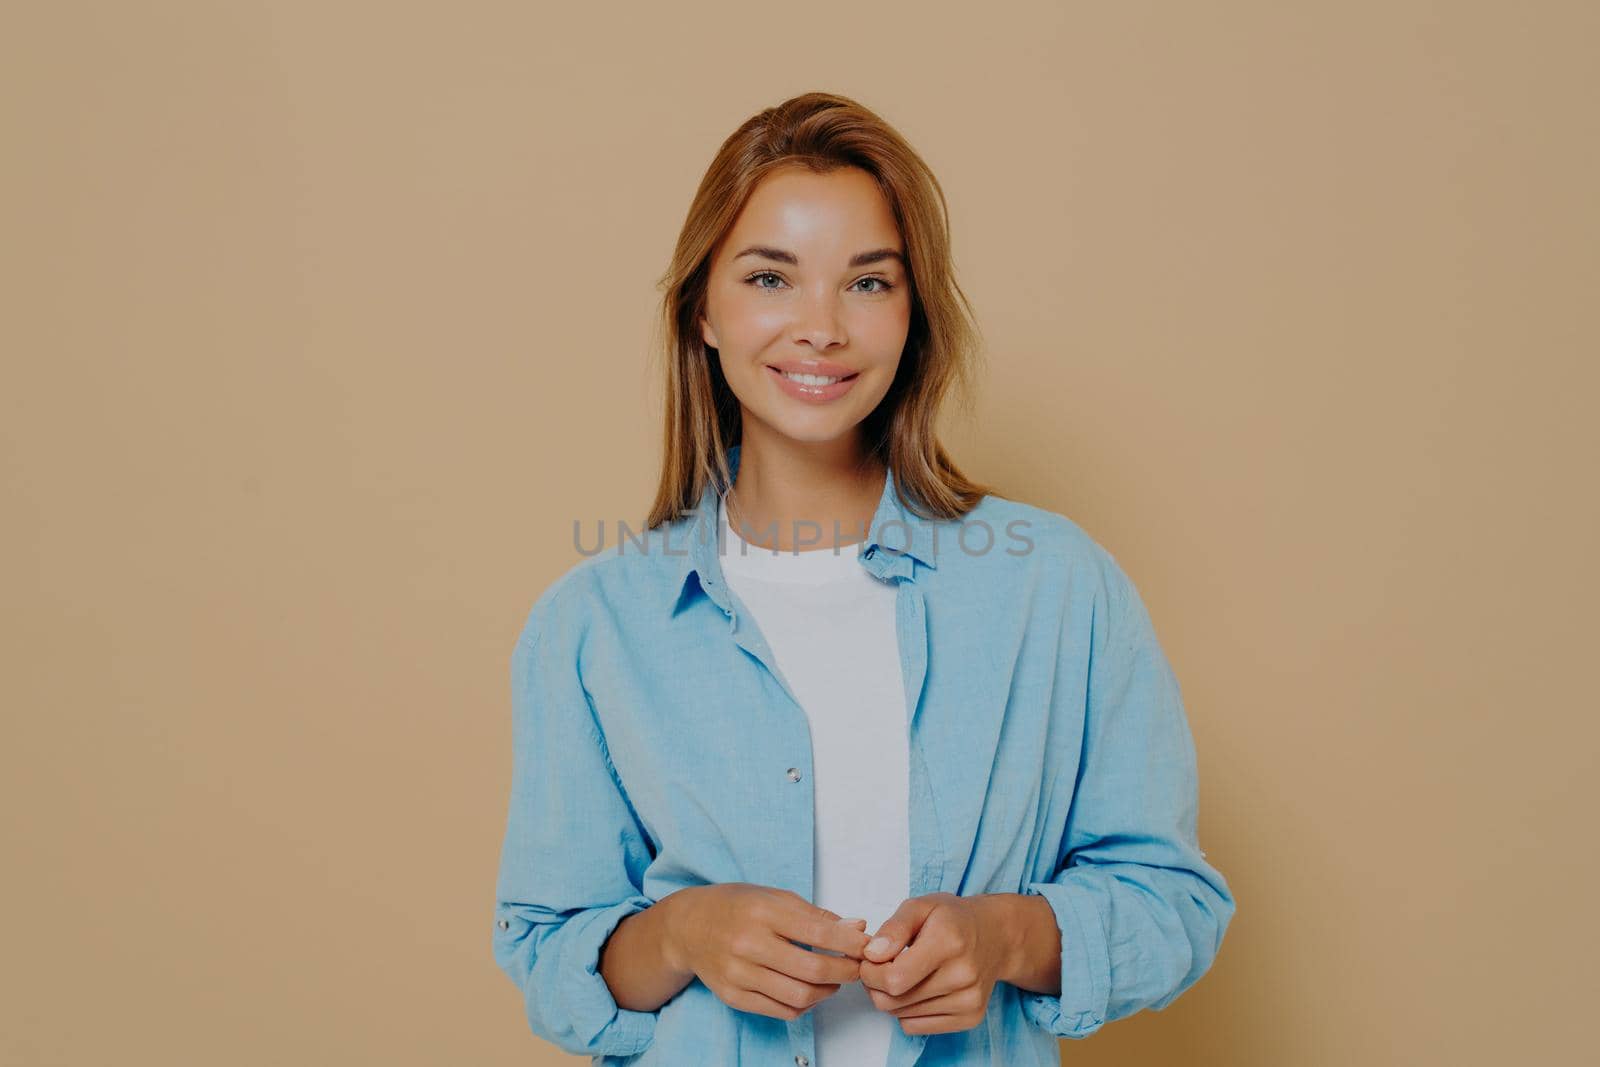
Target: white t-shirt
x,y
830,624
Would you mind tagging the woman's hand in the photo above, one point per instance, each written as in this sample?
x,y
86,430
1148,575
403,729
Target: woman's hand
x,y
937,967
736,938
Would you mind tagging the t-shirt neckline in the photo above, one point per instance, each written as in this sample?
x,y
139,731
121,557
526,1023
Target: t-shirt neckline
x,y
811,566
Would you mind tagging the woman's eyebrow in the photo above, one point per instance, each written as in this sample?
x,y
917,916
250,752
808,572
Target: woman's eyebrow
x,y
860,259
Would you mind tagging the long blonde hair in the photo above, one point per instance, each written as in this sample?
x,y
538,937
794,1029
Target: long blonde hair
x,y
823,132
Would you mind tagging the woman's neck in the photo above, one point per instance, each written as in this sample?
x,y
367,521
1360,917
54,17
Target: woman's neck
x,y
793,495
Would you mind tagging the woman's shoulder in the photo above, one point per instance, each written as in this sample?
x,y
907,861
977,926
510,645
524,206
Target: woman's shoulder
x,y
1050,541
610,580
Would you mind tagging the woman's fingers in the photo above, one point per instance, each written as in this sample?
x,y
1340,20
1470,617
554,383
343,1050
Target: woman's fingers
x,y
746,999
820,928
816,968
770,950
780,987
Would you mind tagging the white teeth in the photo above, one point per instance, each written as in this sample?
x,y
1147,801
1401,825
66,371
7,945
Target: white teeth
x,y
810,379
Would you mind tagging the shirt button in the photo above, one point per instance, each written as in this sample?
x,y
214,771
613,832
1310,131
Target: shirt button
x,y
794,774
801,1061
503,924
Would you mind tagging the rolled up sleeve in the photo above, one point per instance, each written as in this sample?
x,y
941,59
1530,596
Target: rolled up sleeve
x,y
1140,911
573,854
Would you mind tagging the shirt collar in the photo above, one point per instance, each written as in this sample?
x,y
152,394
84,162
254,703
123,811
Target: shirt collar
x,y
895,537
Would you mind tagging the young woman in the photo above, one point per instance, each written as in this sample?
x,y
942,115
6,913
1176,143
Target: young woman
x,y
852,761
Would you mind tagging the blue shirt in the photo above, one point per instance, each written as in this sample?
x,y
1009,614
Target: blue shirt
x,y
656,746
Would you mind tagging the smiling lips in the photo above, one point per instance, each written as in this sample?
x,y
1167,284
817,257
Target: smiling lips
x,y
815,381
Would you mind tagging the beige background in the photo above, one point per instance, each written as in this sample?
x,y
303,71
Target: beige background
x,y
322,321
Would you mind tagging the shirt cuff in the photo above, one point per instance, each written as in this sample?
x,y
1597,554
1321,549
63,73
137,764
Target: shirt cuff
x,y
1080,1009
574,992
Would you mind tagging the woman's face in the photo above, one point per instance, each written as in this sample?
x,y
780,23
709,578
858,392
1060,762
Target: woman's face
x,y
810,280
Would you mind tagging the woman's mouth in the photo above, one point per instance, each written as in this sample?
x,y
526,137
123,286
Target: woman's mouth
x,y
813,388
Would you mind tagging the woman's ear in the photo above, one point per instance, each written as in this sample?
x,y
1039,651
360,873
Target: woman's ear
x,y
707,334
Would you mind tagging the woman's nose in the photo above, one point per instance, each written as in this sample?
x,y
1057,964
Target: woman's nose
x,y
819,322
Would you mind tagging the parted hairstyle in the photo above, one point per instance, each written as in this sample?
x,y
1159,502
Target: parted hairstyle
x,y
823,132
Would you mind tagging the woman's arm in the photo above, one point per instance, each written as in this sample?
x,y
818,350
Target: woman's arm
x,y
573,857
1139,911
640,962
1032,937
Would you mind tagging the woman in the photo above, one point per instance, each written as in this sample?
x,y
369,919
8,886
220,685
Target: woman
x,y
840,679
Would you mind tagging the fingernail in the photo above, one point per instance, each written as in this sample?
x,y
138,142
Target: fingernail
x,y
878,945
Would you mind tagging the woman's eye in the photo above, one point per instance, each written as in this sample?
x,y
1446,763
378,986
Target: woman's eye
x,y
756,280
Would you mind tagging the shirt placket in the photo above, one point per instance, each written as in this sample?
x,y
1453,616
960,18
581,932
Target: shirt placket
x,y
925,847
797,871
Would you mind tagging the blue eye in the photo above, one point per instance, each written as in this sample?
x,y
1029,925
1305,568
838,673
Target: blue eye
x,y
754,280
